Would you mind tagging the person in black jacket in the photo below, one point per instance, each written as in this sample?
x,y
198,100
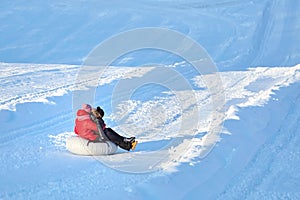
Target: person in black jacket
x,y
109,134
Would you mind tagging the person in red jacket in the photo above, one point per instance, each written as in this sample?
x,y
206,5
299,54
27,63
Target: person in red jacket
x,y
90,125
84,126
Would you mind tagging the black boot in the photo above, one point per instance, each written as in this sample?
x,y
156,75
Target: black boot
x,y
125,145
130,140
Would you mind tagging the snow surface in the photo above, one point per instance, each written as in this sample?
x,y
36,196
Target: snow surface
x,y
255,45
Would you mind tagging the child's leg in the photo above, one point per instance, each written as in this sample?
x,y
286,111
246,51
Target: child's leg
x,y
117,139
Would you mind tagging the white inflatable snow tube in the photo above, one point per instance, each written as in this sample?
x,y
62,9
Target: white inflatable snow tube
x,y
81,146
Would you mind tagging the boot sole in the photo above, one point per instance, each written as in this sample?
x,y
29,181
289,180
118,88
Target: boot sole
x,y
134,145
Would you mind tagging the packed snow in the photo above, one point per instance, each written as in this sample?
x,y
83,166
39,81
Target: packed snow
x,y
255,153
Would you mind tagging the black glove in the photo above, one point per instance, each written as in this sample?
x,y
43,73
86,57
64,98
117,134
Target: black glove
x,y
100,111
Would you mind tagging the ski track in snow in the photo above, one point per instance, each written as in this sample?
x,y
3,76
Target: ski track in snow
x,y
35,83
272,172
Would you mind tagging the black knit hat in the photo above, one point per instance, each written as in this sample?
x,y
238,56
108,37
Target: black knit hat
x,y
100,111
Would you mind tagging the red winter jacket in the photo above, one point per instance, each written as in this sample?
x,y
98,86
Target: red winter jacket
x,y
84,126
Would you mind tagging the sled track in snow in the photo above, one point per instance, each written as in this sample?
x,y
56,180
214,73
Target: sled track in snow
x,y
39,127
269,32
260,170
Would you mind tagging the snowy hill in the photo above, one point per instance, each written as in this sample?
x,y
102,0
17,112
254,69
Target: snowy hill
x,y
253,152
